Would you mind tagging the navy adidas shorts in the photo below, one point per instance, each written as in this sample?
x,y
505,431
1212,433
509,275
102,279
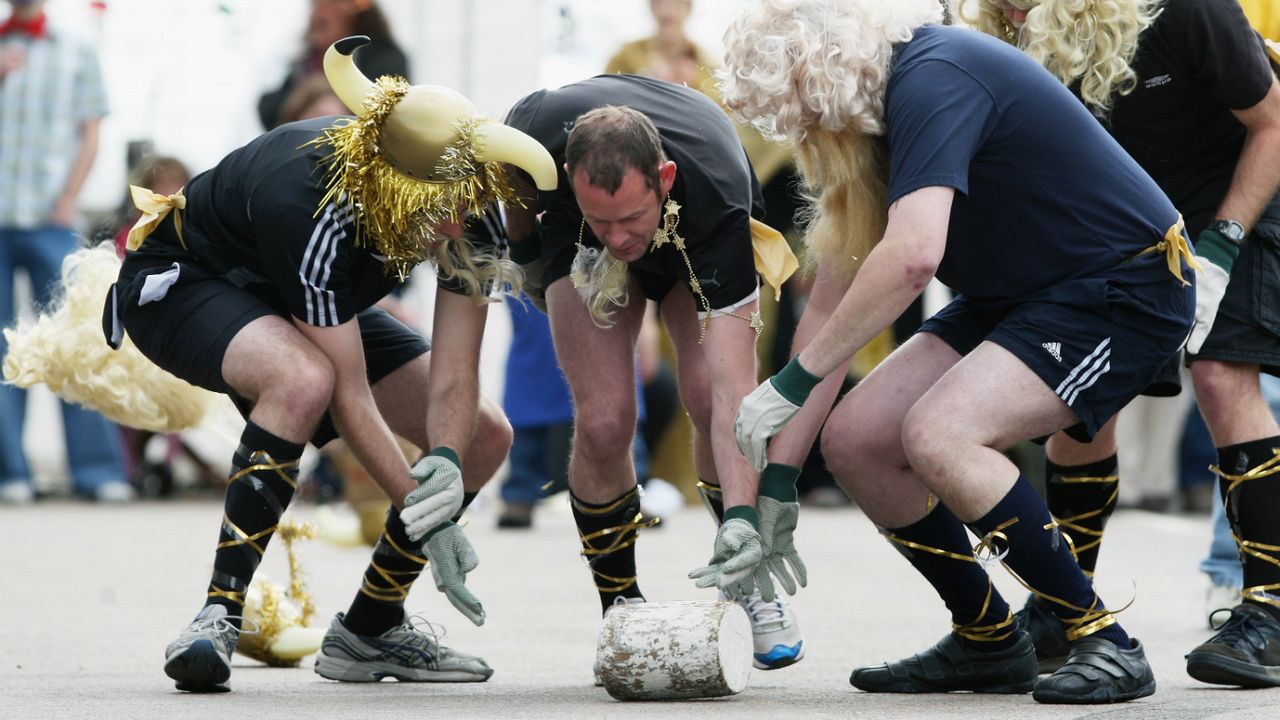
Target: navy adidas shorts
x,y
1097,343
188,331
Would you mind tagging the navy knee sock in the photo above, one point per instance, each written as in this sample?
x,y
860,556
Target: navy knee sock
x,y
963,584
1081,499
1252,507
1041,557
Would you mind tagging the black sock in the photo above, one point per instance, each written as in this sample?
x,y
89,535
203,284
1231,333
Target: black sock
x,y
1252,506
397,562
611,555
264,475
1081,498
712,499
1041,557
962,585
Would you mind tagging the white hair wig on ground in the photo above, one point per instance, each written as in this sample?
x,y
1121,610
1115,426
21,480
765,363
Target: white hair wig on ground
x,y
795,64
64,349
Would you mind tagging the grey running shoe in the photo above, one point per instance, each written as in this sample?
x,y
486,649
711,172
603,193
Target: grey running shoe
x,y
1244,652
200,659
405,653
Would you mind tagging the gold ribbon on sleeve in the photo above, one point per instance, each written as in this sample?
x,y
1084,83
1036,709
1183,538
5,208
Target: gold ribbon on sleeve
x,y
154,207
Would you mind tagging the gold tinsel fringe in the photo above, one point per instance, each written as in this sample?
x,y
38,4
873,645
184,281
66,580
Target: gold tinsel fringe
x,y
397,212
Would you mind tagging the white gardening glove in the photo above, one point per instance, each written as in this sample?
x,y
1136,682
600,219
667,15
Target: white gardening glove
x,y
769,407
438,496
451,558
1211,283
737,556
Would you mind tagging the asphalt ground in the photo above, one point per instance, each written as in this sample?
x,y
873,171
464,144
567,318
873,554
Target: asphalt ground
x,y
90,596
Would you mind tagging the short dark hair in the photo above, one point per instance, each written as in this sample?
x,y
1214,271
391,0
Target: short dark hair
x,y
608,141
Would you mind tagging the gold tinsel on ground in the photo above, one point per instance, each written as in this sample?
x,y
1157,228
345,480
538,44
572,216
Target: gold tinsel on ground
x,y
273,615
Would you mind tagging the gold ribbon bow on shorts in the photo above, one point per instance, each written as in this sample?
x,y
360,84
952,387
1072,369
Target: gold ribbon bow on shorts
x,y
154,207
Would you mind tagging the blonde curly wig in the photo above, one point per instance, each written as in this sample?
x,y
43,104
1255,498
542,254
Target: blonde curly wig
x,y
814,72
793,65
64,349
1090,42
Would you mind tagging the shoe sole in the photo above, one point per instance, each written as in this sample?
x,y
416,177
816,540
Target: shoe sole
x,y
199,669
1215,669
777,663
918,687
356,671
1098,696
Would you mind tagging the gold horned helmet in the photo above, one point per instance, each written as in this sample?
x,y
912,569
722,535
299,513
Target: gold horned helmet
x,y
416,156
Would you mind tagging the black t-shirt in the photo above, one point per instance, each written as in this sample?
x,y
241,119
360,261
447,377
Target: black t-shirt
x,y
1044,195
1198,61
714,185
259,211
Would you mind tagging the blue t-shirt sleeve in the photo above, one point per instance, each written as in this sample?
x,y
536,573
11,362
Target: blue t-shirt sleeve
x,y
938,117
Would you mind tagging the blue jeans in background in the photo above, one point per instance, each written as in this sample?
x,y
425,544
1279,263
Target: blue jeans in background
x,y
94,455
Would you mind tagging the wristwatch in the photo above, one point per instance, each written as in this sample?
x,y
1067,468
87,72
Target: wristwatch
x,y
1229,229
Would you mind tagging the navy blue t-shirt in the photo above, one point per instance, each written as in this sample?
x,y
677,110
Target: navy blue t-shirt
x,y
1044,194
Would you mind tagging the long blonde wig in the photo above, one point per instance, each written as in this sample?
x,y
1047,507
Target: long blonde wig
x,y
1090,42
814,72
64,349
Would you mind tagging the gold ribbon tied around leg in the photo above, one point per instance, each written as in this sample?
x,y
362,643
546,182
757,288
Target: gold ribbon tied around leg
x,y
1260,551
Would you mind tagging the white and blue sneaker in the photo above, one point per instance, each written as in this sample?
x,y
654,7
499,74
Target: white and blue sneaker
x,y
404,652
774,632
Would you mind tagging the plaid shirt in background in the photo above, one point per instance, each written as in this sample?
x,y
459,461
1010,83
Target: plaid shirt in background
x,y
41,106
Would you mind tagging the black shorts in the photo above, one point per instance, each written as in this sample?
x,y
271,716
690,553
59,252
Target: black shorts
x,y
188,330
1247,326
1097,343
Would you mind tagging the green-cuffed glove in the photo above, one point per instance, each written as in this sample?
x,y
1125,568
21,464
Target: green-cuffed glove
x,y
1211,282
451,558
438,496
769,407
737,555
779,514
527,254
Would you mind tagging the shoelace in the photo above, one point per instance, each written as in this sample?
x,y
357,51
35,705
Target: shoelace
x,y
424,634
1240,628
764,612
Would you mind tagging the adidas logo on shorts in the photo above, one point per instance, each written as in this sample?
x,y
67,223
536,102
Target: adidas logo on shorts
x,y
1055,349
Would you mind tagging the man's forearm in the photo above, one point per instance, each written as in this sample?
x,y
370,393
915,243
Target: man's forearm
x,y
1256,178
792,445
86,153
366,432
451,414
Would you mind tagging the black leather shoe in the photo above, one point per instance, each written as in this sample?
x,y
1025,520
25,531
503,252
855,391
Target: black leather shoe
x,y
1244,652
1098,671
953,665
1047,633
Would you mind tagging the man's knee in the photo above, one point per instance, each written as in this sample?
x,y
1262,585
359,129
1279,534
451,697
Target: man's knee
x,y
604,434
304,389
926,441
493,431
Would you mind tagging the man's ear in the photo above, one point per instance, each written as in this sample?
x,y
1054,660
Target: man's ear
x,y
666,176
